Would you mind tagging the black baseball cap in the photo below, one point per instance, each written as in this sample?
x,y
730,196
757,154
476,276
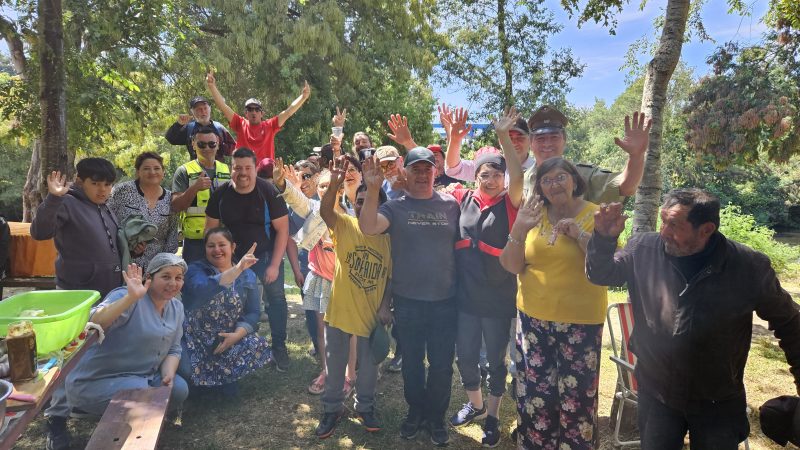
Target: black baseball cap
x,y
419,154
197,100
780,419
521,126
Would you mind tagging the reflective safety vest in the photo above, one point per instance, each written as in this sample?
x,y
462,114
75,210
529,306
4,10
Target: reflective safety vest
x,y
193,220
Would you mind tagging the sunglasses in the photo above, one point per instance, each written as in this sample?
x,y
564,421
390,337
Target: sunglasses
x,y
308,176
253,109
204,144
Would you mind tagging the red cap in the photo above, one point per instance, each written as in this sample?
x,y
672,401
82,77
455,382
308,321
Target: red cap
x,y
435,148
264,168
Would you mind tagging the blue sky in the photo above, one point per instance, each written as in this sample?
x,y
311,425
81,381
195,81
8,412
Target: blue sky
x,y
604,54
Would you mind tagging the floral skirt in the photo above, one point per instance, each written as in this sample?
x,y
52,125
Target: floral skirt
x,y
316,293
558,370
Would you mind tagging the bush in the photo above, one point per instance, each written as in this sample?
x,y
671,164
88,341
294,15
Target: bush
x,y
744,229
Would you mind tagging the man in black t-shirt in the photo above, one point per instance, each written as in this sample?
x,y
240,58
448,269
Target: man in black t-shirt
x,y
251,208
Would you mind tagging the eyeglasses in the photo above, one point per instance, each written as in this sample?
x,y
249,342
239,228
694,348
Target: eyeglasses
x,y
253,109
560,179
204,144
485,176
308,176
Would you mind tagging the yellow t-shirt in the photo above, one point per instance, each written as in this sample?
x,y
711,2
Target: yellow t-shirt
x,y
363,264
553,286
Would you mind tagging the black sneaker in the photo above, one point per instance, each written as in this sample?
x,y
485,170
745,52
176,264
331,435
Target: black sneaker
x,y
491,432
439,435
327,424
369,420
281,357
467,414
396,364
57,433
410,426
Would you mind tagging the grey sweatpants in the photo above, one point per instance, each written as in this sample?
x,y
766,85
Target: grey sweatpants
x,y
495,334
337,352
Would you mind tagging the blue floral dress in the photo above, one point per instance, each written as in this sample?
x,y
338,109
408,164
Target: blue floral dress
x,y
228,308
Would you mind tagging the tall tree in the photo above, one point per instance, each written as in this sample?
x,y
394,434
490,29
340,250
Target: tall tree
x,y
497,50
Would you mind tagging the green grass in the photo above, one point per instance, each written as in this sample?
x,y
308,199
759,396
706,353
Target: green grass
x,y
276,412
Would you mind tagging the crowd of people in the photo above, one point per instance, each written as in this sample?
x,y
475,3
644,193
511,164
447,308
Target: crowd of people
x,y
498,263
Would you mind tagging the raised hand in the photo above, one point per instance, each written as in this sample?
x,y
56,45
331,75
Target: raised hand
x,y
210,79
637,134
57,184
340,117
609,221
459,128
372,174
446,118
336,145
399,126
249,259
278,174
306,92
506,121
530,214
338,168
292,175
183,119
133,280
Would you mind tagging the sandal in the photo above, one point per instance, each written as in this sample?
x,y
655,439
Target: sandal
x,y
317,386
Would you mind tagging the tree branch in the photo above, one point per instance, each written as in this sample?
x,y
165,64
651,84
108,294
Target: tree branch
x,y
9,32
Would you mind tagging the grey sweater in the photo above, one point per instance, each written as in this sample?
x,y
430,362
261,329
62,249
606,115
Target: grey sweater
x,y
88,258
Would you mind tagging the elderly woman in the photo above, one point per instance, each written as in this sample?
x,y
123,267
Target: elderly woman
x,y
143,324
561,313
486,291
144,196
222,303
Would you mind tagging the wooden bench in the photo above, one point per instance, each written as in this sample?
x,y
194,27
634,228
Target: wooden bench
x,y
133,420
38,283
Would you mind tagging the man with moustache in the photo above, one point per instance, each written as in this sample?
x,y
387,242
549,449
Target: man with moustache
x,y
183,130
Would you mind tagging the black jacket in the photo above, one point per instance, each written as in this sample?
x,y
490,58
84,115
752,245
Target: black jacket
x,y
179,134
692,337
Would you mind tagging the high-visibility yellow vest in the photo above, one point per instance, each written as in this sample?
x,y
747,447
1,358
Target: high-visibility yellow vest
x,y
193,220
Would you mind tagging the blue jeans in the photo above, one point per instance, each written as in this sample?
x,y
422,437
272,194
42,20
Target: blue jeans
x,y
274,299
311,316
427,329
720,426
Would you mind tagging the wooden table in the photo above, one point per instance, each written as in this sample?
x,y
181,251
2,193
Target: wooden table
x,y
29,257
17,427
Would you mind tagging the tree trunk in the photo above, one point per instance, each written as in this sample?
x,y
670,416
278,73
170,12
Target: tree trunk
x,y
52,99
31,196
505,57
654,97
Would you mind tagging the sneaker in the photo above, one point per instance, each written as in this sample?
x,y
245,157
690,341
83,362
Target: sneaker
x,y
312,351
439,435
281,357
410,426
369,420
327,424
491,432
317,386
57,433
396,364
467,414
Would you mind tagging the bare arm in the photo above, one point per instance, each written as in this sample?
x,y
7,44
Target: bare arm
x,y
451,158
515,175
106,315
181,201
219,100
327,205
370,221
529,216
295,105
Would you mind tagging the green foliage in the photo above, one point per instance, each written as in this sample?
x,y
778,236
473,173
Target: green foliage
x,y
743,228
498,52
749,105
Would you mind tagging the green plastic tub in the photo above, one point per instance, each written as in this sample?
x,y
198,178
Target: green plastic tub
x,y
65,315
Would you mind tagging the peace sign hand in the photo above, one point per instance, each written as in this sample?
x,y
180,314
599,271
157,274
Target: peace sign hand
x,y
340,117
